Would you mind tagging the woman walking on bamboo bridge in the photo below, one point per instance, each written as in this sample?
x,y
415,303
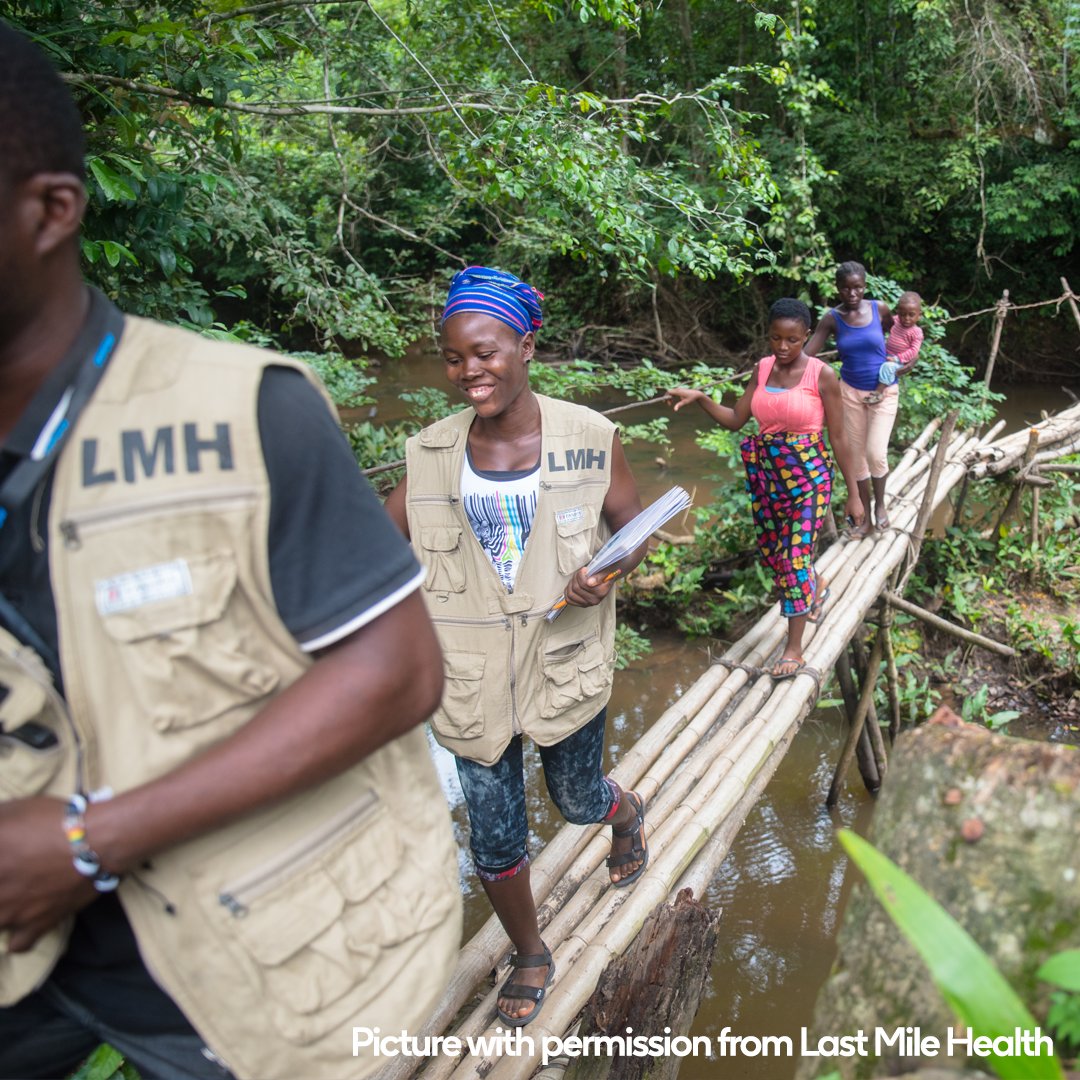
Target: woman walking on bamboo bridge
x,y
505,503
793,396
859,327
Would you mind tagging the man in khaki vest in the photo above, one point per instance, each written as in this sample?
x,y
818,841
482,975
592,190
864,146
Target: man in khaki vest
x,y
222,842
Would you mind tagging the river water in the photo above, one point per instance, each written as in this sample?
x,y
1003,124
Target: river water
x,y
782,887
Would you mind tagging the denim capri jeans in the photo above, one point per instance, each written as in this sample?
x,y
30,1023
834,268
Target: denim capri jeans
x,y
495,796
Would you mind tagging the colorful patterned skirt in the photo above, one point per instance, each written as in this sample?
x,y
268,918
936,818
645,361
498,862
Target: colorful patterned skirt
x,y
789,481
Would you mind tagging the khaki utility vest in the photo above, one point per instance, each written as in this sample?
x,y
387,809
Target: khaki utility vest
x,y
279,933
507,668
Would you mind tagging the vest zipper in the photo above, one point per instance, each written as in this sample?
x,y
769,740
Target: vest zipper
x,y
238,896
515,726
449,500
451,620
72,528
37,541
559,485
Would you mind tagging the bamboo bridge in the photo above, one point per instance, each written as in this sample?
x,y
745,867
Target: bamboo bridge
x,y
703,763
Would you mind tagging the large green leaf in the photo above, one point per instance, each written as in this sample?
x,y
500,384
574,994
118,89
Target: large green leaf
x,y
1062,970
965,975
102,1064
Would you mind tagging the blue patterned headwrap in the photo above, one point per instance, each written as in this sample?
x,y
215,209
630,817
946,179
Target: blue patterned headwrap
x,y
498,294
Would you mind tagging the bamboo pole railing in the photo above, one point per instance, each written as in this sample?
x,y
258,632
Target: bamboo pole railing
x,y
1058,435
700,767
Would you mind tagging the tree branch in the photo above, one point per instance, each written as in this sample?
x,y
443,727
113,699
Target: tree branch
x,y
298,109
271,5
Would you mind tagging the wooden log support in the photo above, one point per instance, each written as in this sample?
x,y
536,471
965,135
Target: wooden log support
x,y
892,677
949,628
868,671
1035,513
864,752
866,699
999,322
1018,485
657,984
1071,297
958,506
927,506
1059,468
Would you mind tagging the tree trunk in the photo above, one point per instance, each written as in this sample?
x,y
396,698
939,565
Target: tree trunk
x,y
987,825
656,984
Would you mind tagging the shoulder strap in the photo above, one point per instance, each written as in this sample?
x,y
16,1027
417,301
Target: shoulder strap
x,y
45,436
812,372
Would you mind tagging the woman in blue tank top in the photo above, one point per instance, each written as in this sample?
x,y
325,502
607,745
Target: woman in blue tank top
x,y
859,327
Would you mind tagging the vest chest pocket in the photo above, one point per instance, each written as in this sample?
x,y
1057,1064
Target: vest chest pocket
x,y
575,530
441,554
319,924
572,673
459,714
187,662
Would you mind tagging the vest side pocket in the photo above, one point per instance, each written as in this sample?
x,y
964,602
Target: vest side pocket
x,y
317,928
441,554
572,673
461,697
26,770
28,765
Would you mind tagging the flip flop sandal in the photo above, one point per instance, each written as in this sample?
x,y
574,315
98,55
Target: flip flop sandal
x,y
818,606
778,675
851,532
638,851
881,526
535,994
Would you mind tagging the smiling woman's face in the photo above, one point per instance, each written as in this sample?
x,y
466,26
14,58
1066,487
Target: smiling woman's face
x,y
486,360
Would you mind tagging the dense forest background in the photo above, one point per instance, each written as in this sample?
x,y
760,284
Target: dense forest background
x,y
309,173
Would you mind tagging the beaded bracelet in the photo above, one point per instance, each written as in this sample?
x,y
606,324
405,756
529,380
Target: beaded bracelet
x,y
85,860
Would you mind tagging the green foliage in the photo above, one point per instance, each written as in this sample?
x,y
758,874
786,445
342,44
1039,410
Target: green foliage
x,y
973,710
106,1063
1055,638
1052,564
321,169
346,381
968,980
983,577
918,697
630,645
379,444
654,431
426,404
1063,1016
560,168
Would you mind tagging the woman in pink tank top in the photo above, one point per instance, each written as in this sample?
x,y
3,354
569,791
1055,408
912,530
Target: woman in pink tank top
x,y
793,397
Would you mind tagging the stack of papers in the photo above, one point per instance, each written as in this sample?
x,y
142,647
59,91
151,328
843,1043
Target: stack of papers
x,y
630,537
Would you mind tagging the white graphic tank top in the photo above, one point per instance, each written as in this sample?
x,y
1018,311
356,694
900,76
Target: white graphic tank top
x,y
500,507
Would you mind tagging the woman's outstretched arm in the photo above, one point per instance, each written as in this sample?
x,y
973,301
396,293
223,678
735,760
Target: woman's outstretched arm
x,y
731,418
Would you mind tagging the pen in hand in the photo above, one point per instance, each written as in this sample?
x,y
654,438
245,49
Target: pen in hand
x,y
562,601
